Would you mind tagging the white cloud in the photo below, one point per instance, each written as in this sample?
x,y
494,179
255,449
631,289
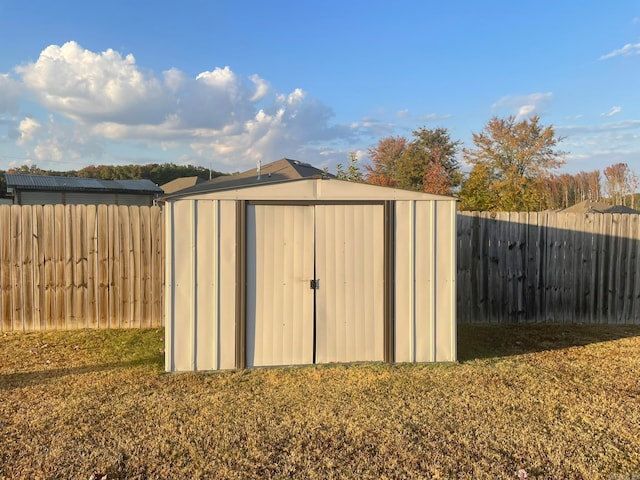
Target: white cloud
x,y
262,88
93,87
27,129
524,106
612,112
598,145
10,91
429,117
217,114
628,49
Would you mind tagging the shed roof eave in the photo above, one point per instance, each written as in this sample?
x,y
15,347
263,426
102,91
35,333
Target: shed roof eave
x,y
310,190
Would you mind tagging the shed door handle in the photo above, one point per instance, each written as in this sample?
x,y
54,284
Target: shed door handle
x,y
314,284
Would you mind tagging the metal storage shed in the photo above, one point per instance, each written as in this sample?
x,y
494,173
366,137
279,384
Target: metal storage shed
x,y
309,271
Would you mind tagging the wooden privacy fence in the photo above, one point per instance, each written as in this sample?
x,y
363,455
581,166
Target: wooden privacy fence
x,y
547,266
80,266
85,266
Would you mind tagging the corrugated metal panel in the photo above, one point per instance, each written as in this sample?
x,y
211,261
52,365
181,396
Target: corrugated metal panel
x,y
83,198
405,315
41,198
279,300
425,281
349,265
56,183
200,303
444,227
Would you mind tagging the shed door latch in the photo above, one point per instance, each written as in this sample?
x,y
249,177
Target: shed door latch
x,y
314,284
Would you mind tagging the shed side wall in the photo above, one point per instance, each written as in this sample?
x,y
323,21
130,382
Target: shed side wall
x,y
200,303
425,281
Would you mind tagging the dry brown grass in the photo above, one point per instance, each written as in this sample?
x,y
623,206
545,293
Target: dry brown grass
x,y
556,401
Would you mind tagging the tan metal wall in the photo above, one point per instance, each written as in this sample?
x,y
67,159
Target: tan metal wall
x,y
200,288
349,265
425,274
280,256
201,283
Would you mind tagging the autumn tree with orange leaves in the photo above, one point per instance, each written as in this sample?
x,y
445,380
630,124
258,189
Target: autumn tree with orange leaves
x,y
427,163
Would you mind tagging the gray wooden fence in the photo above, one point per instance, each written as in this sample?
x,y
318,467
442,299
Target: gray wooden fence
x,y
80,266
548,267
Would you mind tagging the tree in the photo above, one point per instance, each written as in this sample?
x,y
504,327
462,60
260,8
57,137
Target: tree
x,y
385,157
477,192
426,164
621,182
516,158
429,163
353,173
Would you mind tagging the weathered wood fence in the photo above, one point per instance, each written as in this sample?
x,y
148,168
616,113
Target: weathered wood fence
x,y
555,267
80,266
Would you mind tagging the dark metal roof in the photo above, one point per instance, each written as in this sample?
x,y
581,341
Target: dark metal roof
x,y
281,170
67,184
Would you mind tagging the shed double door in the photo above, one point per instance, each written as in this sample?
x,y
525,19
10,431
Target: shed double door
x,y
314,284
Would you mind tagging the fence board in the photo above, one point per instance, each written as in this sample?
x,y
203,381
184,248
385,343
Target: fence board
x,y
5,267
48,242
157,263
70,286
39,319
92,266
80,264
125,267
105,265
16,270
145,267
134,265
26,266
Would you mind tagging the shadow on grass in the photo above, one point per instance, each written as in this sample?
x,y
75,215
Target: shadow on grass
x,y
25,379
477,341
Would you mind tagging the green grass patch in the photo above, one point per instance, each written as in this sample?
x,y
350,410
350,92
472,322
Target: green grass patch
x,y
558,401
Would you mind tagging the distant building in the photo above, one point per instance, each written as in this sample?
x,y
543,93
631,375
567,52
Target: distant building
x,y
180,184
589,206
44,190
282,170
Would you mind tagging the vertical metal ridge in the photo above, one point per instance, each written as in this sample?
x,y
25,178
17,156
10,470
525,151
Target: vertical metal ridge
x,y
216,285
454,286
169,304
432,277
241,286
193,317
389,280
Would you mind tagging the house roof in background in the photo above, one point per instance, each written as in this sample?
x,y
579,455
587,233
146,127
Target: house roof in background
x,y
57,184
589,206
281,170
180,184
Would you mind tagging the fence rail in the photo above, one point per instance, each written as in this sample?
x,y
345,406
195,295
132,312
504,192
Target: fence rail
x,y
80,266
547,266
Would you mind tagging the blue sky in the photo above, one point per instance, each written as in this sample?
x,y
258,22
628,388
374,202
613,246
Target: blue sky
x,y
222,84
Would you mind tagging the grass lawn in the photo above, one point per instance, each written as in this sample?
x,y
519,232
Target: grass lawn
x,y
556,401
